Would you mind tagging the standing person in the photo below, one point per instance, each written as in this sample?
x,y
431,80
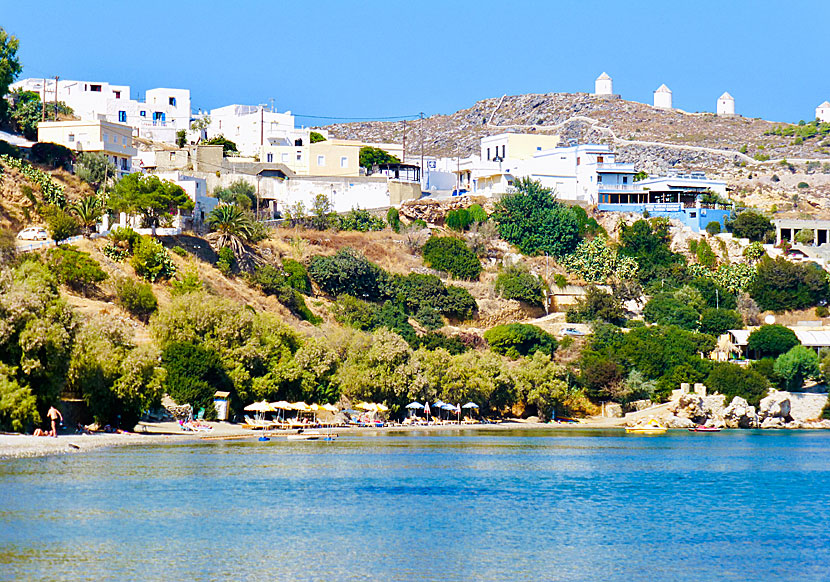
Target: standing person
x,y
53,415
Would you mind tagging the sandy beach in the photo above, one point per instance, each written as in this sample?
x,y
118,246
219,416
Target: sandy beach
x,y
17,446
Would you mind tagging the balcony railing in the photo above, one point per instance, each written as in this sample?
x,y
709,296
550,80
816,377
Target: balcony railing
x,y
619,187
615,166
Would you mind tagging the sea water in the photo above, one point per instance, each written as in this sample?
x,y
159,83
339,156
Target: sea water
x,y
495,505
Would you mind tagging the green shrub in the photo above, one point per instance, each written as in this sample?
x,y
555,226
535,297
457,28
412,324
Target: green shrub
x,y
152,261
392,317
477,213
429,318
179,251
797,365
188,283
136,298
772,340
124,237
418,224
7,149
60,224
75,268
226,261
452,256
296,276
519,339
50,191
459,304
822,311
666,309
560,280
459,220
355,312
732,380
434,341
781,285
596,305
750,224
348,273
713,228
273,281
360,220
393,219
51,154
194,373
718,321
518,283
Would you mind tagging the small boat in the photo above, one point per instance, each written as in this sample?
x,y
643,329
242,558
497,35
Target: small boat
x,y
311,435
702,428
651,427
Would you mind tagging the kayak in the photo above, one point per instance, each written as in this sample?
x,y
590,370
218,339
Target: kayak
x,y
705,429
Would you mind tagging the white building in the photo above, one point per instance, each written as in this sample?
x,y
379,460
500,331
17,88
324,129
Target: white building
x,y
197,191
604,85
663,97
823,112
251,127
113,140
158,117
726,105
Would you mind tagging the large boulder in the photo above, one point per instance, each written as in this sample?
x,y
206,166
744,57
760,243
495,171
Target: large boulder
x,y
679,422
692,407
773,422
739,414
776,405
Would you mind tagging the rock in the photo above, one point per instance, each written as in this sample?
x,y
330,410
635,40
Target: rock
x,y
776,405
679,422
739,414
639,405
773,422
613,410
692,407
794,424
806,406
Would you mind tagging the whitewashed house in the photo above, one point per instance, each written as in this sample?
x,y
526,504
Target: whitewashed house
x,y
823,112
251,127
726,104
663,97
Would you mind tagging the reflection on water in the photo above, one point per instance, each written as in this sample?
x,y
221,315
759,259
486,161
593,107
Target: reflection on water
x,y
497,505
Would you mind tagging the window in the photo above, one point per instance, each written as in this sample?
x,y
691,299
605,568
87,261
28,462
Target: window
x,y
123,140
599,179
171,101
159,116
269,158
600,159
625,179
122,117
344,162
299,156
117,94
503,152
577,160
143,114
71,137
96,88
321,160
106,137
488,154
538,148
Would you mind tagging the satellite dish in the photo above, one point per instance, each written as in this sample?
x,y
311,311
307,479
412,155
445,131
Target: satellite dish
x,y
769,319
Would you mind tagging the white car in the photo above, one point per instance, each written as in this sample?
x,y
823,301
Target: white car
x,y
33,233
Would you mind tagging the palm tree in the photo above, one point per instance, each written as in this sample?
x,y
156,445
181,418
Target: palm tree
x,y
231,226
88,210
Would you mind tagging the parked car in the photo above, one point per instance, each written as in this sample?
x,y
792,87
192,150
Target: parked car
x,y
459,192
573,331
33,233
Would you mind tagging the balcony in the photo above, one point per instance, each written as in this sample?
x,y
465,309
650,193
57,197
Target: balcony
x,y
619,187
615,167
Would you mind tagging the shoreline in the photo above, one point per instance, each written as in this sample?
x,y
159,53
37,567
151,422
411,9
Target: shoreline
x,y
16,446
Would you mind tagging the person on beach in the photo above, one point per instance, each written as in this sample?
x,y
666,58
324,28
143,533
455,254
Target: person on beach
x,y
53,415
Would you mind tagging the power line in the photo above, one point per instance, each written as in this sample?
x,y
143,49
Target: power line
x,y
368,118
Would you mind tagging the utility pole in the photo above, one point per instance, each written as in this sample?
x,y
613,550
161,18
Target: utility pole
x,y
261,126
43,103
56,97
421,131
404,141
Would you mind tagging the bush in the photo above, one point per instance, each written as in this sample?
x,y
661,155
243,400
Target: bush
x,y
297,276
560,280
60,224
750,224
822,311
429,318
518,283
50,191
531,219
434,341
713,228
194,373
796,365
179,251
519,339
360,220
452,256
275,282
393,219
125,237
648,243
459,304
781,285
596,305
51,154
75,268
226,261
348,273
772,340
754,251
732,380
718,321
355,312
189,283
459,220
152,261
136,298
477,213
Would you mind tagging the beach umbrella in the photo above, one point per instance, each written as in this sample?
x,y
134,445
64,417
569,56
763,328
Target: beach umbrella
x,y
368,406
426,411
282,405
470,405
414,405
259,407
301,406
381,407
329,407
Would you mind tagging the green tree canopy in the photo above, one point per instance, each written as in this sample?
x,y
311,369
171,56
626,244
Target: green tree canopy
x,y
520,339
750,224
516,282
240,193
718,321
647,242
781,285
228,147
666,309
535,222
10,68
797,365
772,340
95,169
451,255
316,137
732,380
148,196
370,157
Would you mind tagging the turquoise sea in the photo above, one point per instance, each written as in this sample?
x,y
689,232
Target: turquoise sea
x,y
496,505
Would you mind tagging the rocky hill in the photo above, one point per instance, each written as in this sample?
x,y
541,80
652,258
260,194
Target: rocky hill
x,y
655,139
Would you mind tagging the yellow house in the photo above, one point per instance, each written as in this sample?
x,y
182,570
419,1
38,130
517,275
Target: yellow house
x,y
114,140
333,157
516,146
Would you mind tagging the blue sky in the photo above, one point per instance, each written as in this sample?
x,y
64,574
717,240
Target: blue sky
x,y
373,59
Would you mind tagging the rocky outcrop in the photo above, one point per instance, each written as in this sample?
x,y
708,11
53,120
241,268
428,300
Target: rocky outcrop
x,y
699,410
739,414
776,406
